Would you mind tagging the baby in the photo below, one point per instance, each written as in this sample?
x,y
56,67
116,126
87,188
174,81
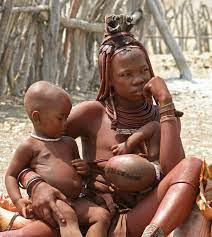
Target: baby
x,y
55,158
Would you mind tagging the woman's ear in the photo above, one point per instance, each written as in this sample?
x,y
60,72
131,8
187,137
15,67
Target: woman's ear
x,y
36,116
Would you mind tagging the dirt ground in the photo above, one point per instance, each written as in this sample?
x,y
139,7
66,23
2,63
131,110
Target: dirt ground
x,y
194,98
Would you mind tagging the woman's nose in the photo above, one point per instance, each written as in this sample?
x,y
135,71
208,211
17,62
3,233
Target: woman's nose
x,y
138,80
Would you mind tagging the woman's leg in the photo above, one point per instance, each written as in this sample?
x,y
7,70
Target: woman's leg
x,y
170,203
22,227
33,229
11,220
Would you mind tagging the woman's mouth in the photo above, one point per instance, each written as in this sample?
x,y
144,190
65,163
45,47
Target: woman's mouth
x,y
137,92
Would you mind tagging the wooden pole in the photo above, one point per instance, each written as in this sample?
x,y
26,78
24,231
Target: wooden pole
x,y
169,40
27,9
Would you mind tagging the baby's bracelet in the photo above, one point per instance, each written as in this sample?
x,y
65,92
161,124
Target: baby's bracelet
x,y
21,176
33,180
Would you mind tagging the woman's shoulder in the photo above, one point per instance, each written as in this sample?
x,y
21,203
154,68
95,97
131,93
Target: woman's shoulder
x,y
83,118
88,107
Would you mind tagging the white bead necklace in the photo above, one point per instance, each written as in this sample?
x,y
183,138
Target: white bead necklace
x,y
45,139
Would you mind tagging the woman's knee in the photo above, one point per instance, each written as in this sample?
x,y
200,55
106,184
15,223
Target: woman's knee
x,y
192,162
187,171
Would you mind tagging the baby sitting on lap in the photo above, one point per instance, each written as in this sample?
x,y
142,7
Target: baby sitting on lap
x,y
55,158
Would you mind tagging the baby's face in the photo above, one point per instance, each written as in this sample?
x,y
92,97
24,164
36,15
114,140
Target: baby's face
x,y
53,121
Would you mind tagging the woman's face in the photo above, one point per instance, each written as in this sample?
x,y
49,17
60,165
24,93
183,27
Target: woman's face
x,y
129,73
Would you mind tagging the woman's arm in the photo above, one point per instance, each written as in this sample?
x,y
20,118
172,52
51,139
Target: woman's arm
x,y
171,149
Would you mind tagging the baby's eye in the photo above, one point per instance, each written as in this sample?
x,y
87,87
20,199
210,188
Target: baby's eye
x,y
60,118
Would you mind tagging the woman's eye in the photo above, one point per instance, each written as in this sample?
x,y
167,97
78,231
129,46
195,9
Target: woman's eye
x,y
146,69
126,74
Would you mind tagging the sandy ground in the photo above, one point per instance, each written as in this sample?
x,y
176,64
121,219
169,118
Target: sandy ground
x,y
194,98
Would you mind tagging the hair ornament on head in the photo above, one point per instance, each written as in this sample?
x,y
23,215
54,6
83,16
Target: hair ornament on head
x,y
118,23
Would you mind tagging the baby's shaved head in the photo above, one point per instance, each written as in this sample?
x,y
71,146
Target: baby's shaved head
x,y
42,95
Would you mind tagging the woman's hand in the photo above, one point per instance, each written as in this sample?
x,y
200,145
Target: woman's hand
x,y
81,166
157,88
44,198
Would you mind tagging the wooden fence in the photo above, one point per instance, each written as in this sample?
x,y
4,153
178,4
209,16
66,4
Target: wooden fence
x,y
45,40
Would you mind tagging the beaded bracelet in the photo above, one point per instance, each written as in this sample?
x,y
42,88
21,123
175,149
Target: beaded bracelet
x,y
20,176
35,184
170,108
166,108
167,117
32,181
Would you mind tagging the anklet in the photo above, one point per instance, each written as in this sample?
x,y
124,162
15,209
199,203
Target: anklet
x,y
153,231
45,139
10,226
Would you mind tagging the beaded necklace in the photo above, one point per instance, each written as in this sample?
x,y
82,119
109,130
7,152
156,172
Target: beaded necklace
x,y
44,139
131,119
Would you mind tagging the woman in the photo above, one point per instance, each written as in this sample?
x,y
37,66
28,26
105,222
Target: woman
x,y
124,104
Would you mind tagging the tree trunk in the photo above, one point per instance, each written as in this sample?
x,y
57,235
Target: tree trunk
x,y
169,40
50,37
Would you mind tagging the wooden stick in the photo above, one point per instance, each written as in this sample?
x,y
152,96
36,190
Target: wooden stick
x,y
82,25
75,4
33,9
67,23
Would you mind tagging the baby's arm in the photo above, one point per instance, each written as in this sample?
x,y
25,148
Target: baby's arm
x,y
20,161
149,132
80,165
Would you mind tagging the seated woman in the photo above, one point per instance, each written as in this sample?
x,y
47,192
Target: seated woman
x,y
124,104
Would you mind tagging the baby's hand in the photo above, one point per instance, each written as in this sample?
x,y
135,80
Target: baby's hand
x,y
120,149
81,166
24,207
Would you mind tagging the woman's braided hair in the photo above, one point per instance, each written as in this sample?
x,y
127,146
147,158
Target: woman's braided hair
x,y
117,37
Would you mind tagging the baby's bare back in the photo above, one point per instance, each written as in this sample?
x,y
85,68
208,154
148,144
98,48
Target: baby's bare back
x,y
52,160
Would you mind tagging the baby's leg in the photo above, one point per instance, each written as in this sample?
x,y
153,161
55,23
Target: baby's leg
x,y
97,218
71,226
